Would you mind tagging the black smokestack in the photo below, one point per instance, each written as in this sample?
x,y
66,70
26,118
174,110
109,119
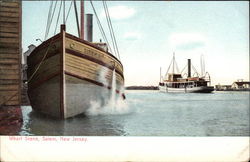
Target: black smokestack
x,y
89,27
189,67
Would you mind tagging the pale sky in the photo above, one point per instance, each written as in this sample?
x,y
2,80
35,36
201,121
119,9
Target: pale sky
x,y
149,32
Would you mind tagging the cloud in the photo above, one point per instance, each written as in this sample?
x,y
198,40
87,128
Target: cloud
x,y
132,36
119,12
187,41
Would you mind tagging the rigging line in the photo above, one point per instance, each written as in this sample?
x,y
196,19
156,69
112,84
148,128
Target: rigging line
x,y
59,13
37,68
69,11
194,69
100,26
77,20
183,69
173,62
51,20
63,11
169,67
112,31
8,99
203,63
48,18
176,67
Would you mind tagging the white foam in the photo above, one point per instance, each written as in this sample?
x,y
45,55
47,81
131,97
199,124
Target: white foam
x,y
115,105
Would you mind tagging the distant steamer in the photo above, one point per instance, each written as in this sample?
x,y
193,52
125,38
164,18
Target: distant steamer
x,y
66,73
175,82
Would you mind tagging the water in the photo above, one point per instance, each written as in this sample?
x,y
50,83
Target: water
x,y
151,113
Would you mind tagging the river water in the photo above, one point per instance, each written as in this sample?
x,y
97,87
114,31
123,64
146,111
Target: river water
x,y
151,113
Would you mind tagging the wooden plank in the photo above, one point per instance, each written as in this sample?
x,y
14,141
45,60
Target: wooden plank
x,y
9,61
9,81
48,67
9,71
6,97
80,62
9,35
83,74
9,14
81,65
80,56
37,55
9,93
9,40
9,24
44,74
5,3
9,87
9,45
9,66
9,9
85,50
46,64
4,50
91,51
12,98
9,19
14,30
9,76
12,103
9,56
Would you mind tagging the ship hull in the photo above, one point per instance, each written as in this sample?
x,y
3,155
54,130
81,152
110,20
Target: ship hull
x,y
65,74
203,89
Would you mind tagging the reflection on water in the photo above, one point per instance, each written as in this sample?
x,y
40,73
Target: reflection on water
x,y
42,125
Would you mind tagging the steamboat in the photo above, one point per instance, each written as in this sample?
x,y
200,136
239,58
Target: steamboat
x,y
177,82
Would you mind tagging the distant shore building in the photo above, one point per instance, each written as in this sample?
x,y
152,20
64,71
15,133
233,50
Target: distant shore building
x,y
223,87
27,53
24,61
240,84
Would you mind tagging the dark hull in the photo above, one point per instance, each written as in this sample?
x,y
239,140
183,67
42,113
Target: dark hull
x,y
204,89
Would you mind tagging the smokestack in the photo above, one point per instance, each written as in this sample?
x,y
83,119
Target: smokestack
x,y
89,27
82,20
189,67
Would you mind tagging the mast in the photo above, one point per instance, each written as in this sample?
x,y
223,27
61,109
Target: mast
x,y
82,20
160,74
173,62
64,12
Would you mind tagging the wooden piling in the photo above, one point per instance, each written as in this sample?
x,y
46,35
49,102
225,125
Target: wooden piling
x,y
10,52
10,66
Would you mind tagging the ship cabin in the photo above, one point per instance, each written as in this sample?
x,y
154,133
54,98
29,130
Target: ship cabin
x,y
176,81
174,77
102,46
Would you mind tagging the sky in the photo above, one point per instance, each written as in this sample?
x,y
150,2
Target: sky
x,y
148,33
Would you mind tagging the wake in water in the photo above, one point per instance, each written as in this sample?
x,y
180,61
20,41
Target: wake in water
x,y
115,105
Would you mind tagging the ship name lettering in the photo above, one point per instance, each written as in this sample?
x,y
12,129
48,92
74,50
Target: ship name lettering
x,y
90,52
